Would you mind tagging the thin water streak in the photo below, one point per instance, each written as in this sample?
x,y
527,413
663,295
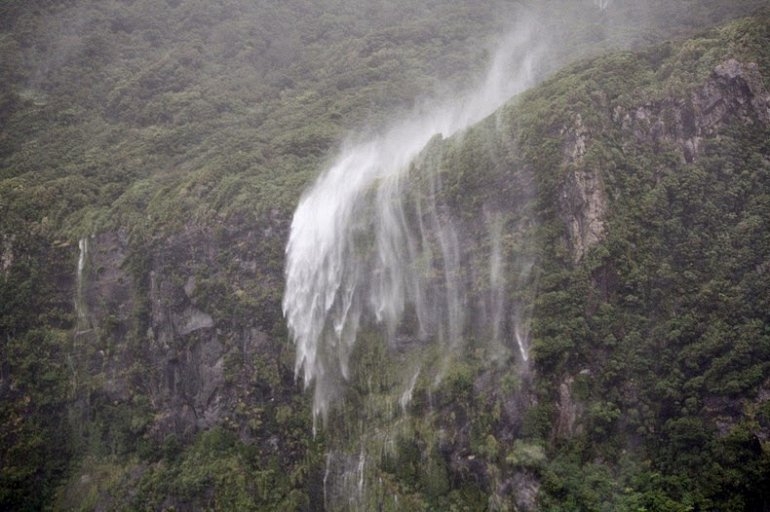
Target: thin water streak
x,y
80,307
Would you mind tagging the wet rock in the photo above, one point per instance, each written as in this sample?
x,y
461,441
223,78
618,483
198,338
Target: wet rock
x,y
525,490
583,204
6,254
192,320
570,410
147,335
734,90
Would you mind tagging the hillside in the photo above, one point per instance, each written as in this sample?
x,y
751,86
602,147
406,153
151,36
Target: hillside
x,y
588,322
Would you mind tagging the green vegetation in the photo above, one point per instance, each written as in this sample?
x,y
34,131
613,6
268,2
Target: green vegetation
x,y
664,325
181,134
655,341
152,118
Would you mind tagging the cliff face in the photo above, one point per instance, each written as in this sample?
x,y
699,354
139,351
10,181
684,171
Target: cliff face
x,y
733,94
144,329
179,337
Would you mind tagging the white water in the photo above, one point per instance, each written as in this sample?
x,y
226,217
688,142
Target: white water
x,y
521,314
406,396
83,247
352,255
80,307
344,481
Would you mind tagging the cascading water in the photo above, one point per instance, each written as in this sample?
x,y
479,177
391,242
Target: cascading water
x,y
80,307
374,244
354,252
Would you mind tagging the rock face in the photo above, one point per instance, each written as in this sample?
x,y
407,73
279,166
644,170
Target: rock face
x,y
526,487
153,325
569,410
734,92
6,254
735,89
583,200
584,203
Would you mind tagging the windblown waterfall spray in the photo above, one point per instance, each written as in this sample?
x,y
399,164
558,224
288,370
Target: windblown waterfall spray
x,y
352,249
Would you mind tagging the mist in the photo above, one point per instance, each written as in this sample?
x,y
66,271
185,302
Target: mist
x,y
330,284
509,258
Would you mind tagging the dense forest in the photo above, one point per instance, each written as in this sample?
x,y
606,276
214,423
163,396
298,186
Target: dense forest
x,y
603,235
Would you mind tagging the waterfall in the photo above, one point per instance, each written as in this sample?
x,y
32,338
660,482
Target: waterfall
x,y
406,396
357,250
377,254
80,305
82,327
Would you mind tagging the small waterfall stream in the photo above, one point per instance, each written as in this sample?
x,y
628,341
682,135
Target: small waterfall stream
x,y
80,303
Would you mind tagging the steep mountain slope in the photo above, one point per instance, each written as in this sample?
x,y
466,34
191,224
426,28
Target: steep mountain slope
x,y
624,198
650,320
151,157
